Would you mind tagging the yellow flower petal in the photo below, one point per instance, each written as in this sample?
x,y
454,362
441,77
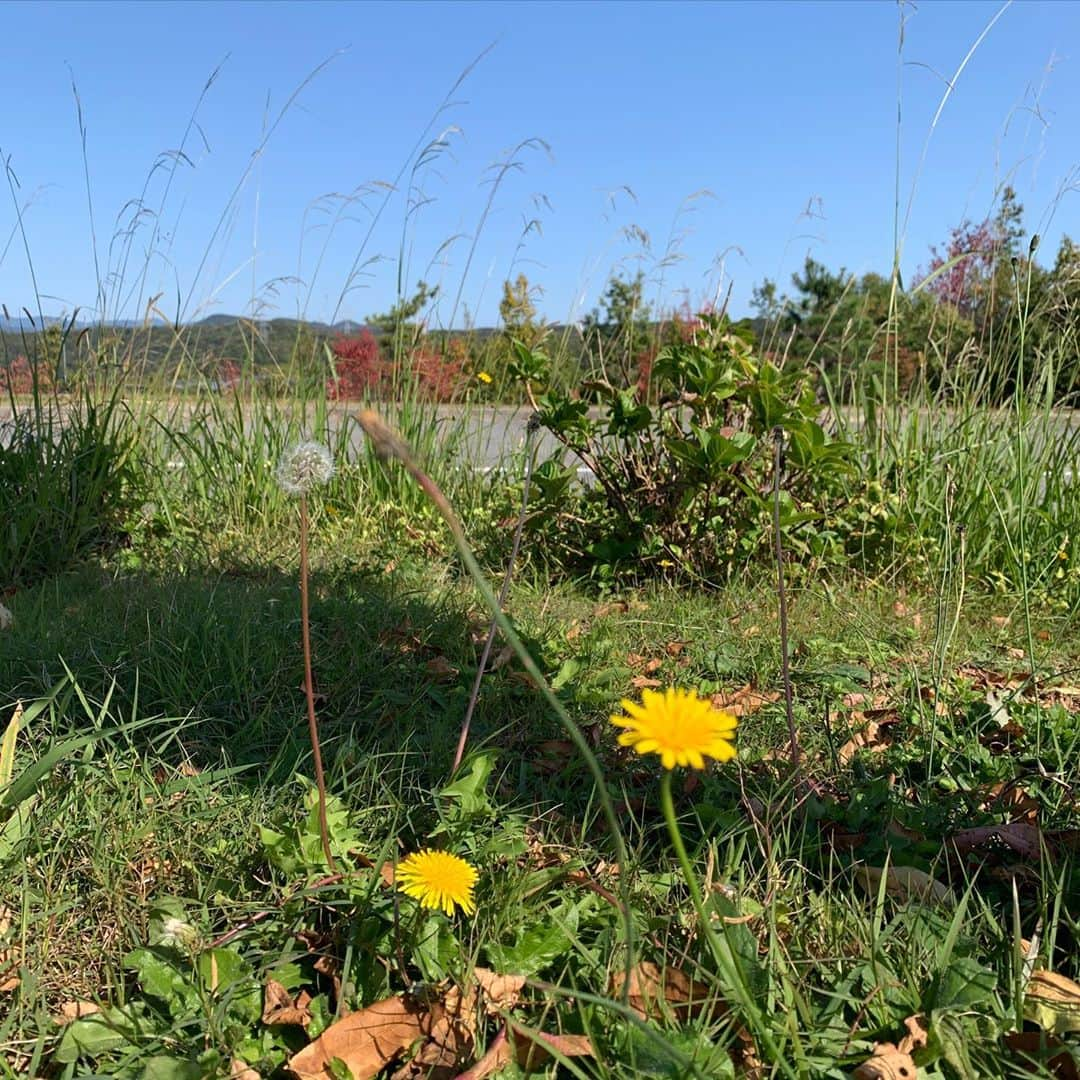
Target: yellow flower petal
x,y
438,880
681,727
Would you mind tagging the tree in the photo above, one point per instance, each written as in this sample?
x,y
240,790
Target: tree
x,y
398,324
618,332
976,272
518,312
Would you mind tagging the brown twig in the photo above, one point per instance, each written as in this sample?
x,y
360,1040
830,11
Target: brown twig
x,y
530,430
781,594
309,688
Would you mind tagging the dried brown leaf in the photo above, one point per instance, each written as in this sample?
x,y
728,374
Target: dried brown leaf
x,y
498,992
652,990
439,668
613,607
874,738
534,1051
366,1041
745,701
9,960
279,1007
917,1037
450,1039
75,1010
502,658
1038,1046
643,682
887,1063
241,1070
1020,837
903,883
1053,1002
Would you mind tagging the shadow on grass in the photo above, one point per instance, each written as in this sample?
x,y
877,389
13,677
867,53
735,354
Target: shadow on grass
x,y
393,665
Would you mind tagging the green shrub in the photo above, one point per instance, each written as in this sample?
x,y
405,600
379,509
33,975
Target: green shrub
x,y
66,484
684,468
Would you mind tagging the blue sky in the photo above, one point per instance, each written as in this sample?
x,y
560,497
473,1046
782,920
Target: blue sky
x,y
773,109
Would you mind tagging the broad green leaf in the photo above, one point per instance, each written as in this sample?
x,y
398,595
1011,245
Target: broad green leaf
x,y
161,976
107,1030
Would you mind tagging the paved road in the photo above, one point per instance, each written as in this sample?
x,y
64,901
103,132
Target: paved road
x,y
492,431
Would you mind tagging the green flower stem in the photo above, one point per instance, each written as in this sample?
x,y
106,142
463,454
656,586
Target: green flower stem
x,y
721,948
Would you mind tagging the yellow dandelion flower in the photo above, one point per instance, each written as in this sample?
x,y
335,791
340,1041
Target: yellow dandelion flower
x,y
438,880
681,727
483,376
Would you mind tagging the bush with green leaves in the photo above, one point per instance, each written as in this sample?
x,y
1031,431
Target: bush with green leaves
x,y
681,473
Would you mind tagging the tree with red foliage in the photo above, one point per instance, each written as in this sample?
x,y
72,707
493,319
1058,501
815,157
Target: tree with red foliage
x,y
22,377
974,270
359,367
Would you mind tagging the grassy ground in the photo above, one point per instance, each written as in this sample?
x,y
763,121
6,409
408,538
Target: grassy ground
x,y
172,709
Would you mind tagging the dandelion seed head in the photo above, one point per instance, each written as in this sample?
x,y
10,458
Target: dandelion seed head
x,y
304,466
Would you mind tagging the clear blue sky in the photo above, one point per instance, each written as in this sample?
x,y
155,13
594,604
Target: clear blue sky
x,y
770,107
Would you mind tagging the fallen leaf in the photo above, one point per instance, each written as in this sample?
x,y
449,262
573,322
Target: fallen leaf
x,y
903,883
613,607
643,682
439,668
887,1063
505,655
9,963
1012,798
1035,1046
450,1039
498,992
528,1051
653,989
1019,836
554,755
75,1010
366,1041
536,1050
917,1037
999,712
241,1070
1000,621
1053,1002
328,966
874,738
745,701
675,648
280,1008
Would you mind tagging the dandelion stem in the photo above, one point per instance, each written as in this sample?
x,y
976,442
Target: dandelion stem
x,y
718,943
309,688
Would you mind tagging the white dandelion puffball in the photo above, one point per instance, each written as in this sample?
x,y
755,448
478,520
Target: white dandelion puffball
x,y
304,466
6,618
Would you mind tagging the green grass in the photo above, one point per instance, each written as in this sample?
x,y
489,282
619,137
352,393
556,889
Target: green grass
x,y
207,659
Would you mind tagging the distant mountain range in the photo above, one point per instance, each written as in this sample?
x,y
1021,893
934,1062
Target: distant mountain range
x,y
21,324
